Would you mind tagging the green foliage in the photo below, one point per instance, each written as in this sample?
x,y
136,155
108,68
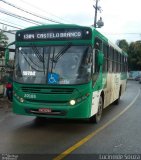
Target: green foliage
x,y
123,44
3,39
134,53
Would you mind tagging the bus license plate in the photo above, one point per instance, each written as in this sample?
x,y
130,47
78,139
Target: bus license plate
x,y
44,110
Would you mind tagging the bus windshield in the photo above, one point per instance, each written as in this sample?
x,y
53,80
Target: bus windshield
x,y
53,64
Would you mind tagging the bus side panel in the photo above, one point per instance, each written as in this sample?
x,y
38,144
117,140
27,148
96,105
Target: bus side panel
x,y
111,88
95,101
123,82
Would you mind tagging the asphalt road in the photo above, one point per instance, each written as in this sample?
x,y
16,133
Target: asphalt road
x,y
117,133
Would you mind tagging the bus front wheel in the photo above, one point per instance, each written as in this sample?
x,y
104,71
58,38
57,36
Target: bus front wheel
x,y
97,117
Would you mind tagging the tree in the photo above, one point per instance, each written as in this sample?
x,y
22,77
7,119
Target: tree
x,y
123,44
3,42
134,53
3,39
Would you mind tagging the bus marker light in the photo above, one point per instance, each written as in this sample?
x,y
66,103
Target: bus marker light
x,y
87,94
78,100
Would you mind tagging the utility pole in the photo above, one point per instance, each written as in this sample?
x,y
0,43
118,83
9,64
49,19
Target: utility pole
x,y
95,17
100,23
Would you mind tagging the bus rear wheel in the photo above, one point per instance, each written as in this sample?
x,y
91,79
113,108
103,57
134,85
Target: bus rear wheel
x,y
97,117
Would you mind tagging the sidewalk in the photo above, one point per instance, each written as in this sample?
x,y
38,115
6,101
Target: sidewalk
x,y
5,107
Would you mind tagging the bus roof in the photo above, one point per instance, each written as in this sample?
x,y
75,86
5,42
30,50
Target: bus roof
x,y
53,26
95,32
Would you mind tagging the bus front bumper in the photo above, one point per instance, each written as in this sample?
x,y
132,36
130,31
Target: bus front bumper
x,y
79,110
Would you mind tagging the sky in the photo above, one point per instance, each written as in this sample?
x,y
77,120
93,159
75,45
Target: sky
x,y
122,18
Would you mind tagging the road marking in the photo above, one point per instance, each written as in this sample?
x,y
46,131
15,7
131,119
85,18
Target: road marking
x,y
87,138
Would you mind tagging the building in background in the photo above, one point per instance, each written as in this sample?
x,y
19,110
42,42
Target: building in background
x,y
4,73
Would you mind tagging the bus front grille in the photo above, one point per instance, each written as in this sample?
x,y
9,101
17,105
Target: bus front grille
x,y
48,102
45,90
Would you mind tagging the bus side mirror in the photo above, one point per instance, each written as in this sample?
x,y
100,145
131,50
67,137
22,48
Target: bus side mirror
x,y
6,56
100,58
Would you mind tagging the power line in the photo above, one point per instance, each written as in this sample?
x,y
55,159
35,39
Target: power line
x,y
45,11
129,33
7,31
33,14
20,17
10,25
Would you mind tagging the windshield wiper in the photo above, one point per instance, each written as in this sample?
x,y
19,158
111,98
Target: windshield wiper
x,y
39,56
44,60
34,48
52,59
29,62
60,53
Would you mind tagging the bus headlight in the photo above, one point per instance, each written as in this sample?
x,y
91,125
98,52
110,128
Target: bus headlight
x,y
21,100
72,102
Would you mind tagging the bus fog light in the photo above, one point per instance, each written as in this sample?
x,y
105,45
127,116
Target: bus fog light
x,y
72,102
21,100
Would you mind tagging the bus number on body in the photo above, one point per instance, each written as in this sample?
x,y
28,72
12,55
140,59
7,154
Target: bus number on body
x,y
33,96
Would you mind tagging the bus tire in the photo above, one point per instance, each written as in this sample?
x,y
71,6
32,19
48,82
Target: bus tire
x,y
97,117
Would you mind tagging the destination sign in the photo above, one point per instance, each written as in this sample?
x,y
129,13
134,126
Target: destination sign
x,y
53,34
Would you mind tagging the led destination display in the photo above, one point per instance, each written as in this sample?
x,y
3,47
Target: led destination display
x,y
56,34
52,35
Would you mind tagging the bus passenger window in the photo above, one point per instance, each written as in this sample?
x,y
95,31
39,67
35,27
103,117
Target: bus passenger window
x,y
105,52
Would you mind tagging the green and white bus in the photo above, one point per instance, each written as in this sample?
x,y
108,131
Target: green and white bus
x,y
66,71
